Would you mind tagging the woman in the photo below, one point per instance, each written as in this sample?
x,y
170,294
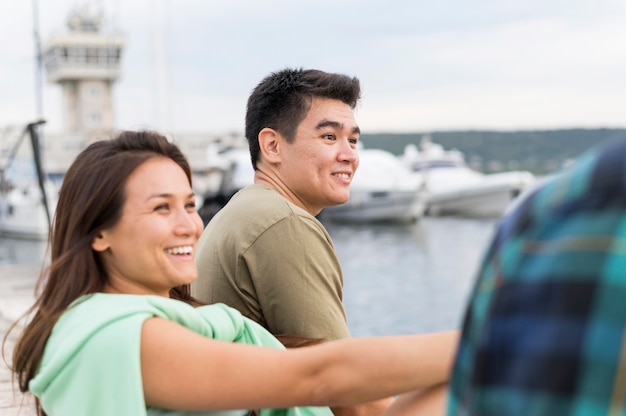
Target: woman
x,y
116,332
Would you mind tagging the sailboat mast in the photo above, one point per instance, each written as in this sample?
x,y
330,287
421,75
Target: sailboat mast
x,y
38,63
34,128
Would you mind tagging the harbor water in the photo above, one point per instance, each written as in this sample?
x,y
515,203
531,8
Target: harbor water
x,y
404,279
398,279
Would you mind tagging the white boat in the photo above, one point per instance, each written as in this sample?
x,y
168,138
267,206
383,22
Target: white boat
x,y
25,211
382,190
456,189
230,170
23,214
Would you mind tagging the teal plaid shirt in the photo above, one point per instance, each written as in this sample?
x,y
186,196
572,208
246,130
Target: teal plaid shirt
x,y
543,333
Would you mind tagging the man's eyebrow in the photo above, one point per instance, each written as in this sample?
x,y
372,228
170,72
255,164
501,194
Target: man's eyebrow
x,y
336,125
328,123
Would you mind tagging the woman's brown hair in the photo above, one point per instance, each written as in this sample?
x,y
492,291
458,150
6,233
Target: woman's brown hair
x,y
91,199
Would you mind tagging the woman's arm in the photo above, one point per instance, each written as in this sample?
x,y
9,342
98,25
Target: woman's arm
x,y
186,371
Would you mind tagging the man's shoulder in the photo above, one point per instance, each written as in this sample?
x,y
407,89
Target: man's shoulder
x,y
260,210
261,202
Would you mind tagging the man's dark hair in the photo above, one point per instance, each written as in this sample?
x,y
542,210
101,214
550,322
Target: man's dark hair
x,y
282,100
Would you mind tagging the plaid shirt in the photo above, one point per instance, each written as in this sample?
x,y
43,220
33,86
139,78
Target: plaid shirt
x,y
544,330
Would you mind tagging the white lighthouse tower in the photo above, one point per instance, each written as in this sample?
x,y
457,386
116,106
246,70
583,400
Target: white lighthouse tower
x,y
85,61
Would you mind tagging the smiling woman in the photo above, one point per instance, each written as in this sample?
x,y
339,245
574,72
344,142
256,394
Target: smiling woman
x,y
115,302
150,249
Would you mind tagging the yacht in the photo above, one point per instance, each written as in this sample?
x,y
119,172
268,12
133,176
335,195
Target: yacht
x,y
27,194
456,189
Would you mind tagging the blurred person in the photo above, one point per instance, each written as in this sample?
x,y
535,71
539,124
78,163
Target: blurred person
x,y
544,332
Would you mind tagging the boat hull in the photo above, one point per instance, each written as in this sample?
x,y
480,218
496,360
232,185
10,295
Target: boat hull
x,y
23,215
372,207
471,203
487,198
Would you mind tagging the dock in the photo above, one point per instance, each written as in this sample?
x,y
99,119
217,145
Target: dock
x,y
17,284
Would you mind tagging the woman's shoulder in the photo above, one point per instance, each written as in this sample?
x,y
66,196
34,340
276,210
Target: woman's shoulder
x,y
90,313
101,309
121,304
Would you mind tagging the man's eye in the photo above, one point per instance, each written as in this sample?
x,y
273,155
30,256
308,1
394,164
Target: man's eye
x,y
329,136
161,207
353,141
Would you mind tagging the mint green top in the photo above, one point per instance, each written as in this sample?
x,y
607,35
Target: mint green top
x,y
91,363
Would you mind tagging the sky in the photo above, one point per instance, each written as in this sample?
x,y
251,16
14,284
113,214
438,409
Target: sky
x,y
424,66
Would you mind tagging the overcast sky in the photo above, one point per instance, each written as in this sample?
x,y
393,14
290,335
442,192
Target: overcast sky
x,y
189,65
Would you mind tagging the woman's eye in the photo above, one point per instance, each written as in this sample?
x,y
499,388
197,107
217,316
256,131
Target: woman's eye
x,y
161,207
191,205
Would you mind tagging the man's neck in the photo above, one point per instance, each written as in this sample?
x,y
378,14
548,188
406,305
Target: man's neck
x,y
263,178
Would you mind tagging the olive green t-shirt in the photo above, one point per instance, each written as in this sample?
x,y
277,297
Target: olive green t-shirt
x,y
275,263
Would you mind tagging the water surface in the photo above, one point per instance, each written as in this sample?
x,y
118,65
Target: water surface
x,y
398,279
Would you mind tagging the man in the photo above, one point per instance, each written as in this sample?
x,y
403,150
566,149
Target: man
x,y
265,253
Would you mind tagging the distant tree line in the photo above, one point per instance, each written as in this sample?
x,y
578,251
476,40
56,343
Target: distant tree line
x,y
540,151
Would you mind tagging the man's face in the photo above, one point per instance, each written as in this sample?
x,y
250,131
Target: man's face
x,y
319,165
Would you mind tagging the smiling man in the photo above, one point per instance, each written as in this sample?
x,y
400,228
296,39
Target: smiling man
x,y
265,253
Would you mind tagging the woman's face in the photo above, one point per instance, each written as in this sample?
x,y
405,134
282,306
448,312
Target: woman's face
x,y
151,249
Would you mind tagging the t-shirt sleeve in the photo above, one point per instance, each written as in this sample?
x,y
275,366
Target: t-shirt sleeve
x,y
298,280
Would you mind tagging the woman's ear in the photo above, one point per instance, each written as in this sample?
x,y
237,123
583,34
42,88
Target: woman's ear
x,y
270,145
100,242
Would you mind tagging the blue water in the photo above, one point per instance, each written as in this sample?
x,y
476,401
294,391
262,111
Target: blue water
x,y
398,279
409,279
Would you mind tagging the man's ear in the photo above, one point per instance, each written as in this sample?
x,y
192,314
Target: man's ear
x,y
100,242
269,144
